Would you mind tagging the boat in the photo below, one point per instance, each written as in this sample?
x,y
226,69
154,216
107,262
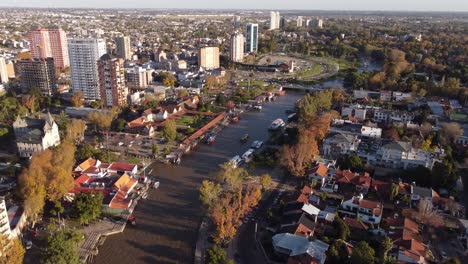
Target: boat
x,y
156,185
244,138
257,107
277,124
145,195
248,155
235,119
210,139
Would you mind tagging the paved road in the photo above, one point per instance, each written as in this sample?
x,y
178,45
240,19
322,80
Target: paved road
x,y
167,222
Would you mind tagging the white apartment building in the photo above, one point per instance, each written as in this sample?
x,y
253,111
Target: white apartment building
x,y
299,21
274,20
3,71
84,54
396,116
236,51
208,58
4,222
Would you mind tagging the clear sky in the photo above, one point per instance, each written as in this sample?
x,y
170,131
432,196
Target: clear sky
x,y
392,5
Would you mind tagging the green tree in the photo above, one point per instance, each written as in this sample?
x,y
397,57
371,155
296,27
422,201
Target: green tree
x,y
395,190
62,247
120,125
216,255
86,151
155,150
385,247
87,206
362,254
341,229
170,130
169,80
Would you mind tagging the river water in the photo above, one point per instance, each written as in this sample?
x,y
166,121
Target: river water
x,y
167,222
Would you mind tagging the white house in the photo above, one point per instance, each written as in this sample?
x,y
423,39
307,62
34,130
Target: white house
x,y
296,246
366,210
35,134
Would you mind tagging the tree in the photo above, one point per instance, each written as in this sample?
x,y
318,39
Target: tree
x,y
385,247
182,93
216,255
170,130
450,132
102,120
395,190
341,229
155,150
77,99
14,253
362,254
169,80
75,131
209,193
426,213
62,247
86,151
265,181
120,124
87,206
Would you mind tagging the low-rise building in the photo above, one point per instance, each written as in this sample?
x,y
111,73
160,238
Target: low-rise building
x,y
35,134
336,144
300,248
366,210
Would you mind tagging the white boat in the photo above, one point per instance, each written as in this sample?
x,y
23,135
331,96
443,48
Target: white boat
x,y
156,185
277,124
248,155
145,195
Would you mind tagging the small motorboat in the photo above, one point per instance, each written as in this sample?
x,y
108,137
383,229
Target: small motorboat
x,y
244,138
156,185
145,195
235,119
211,139
132,220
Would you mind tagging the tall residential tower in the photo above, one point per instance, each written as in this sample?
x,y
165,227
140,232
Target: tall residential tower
x,y
251,38
208,58
84,54
45,43
236,50
112,80
123,48
37,73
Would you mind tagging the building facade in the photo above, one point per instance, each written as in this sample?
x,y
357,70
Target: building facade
x,y
251,38
236,51
35,134
84,54
299,21
37,73
112,80
45,43
123,48
138,78
3,71
274,20
208,58
59,48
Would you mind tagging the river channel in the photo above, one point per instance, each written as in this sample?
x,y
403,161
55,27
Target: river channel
x,y
168,220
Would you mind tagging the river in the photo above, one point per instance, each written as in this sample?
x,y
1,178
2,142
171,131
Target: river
x,y
167,222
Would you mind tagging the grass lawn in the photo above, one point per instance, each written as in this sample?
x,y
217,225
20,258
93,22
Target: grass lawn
x,y
459,116
253,83
308,73
194,121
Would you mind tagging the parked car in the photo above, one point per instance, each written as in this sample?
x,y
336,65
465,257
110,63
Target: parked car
x,y
257,144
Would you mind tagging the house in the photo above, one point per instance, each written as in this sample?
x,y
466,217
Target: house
x,y
421,193
337,144
297,247
357,182
367,211
304,227
318,173
356,111
35,134
392,116
356,226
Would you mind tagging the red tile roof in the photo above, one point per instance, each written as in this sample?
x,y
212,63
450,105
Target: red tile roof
x,y
355,224
320,170
115,166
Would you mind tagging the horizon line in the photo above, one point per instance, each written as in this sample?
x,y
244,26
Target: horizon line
x,y
239,9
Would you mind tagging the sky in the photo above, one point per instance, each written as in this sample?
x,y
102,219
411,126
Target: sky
x,y
390,5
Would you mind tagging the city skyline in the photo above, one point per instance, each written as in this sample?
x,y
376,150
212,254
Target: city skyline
x,y
365,5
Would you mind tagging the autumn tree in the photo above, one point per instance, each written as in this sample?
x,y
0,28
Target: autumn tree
x,y
426,213
265,181
385,247
77,99
209,193
450,132
169,130
182,93
169,80
230,177
14,251
75,131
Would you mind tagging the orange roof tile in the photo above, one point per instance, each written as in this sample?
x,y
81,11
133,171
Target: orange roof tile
x,y
90,162
320,170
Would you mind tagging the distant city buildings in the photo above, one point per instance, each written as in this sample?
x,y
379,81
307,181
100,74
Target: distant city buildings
x,y
84,54
45,43
299,21
37,73
208,58
251,38
112,80
123,48
236,50
35,134
274,20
